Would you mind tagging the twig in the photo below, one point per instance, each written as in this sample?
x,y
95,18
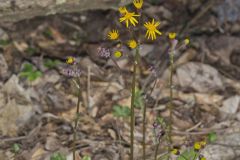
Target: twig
x,y
198,133
194,127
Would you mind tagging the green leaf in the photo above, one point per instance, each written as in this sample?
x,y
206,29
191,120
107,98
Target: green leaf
x,y
57,156
138,100
31,50
212,137
34,75
4,42
24,74
16,148
48,33
188,154
86,158
51,63
29,73
27,67
121,111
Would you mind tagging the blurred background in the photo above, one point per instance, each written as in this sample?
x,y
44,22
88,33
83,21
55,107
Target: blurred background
x,y
38,101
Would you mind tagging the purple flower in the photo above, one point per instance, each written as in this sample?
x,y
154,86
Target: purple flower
x,y
104,52
71,72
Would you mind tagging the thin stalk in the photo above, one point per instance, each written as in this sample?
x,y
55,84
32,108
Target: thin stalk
x,y
138,58
144,132
76,122
183,157
132,104
171,95
171,100
156,151
195,156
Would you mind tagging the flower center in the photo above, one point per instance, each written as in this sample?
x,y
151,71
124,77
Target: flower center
x,y
151,27
128,15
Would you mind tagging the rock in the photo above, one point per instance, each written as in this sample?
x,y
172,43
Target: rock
x,y
3,67
222,47
153,11
231,105
228,10
200,77
15,109
13,11
3,34
145,49
225,149
52,144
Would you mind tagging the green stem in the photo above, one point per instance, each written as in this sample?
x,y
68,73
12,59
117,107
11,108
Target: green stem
x,y
144,132
171,100
76,122
156,151
132,104
195,156
183,157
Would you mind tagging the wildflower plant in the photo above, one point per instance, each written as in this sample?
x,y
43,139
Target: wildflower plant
x,y
72,70
132,21
193,153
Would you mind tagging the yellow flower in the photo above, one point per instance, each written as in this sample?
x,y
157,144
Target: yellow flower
x,y
197,146
129,16
186,41
172,35
203,143
118,54
138,3
132,44
122,10
203,158
70,60
175,151
113,35
152,29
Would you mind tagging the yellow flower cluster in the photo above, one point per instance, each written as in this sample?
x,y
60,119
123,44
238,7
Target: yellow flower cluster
x,y
131,19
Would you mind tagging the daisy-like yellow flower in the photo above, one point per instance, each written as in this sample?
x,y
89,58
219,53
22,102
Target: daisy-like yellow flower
x,y
186,41
122,10
113,35
152,29
138,3
132,44
129,17
117,54
172,35
70,60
